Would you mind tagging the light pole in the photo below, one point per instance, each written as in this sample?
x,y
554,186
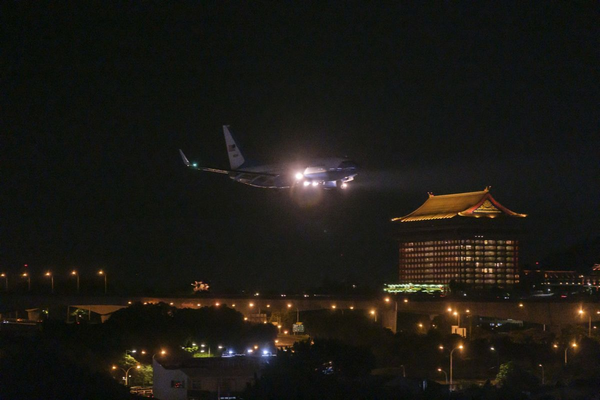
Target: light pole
x,y
459,347
445,374
76,275
374,314
3,275
581,312
49,274
497,357
26,275
573,345
543,377
101,272
403,371
137,366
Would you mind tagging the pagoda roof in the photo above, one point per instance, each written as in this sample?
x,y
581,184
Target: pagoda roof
x,y
471,205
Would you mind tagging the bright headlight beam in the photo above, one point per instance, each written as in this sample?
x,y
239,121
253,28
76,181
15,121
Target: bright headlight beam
x,y
299,175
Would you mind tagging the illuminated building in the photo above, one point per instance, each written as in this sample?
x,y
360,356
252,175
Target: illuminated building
x,y
468,238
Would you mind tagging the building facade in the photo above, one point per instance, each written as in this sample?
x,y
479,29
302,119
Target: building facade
x,y
467,238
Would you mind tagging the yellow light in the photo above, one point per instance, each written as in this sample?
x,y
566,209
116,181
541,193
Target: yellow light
x,y
455,313
449,309
251,305
143,351
574,344
233,305
285,332
580,311
468,310
276,340
279,326
406,300
25,275
128,302
289,305
217,304
100,272
268,306
520,304
48,273
333,306
555,346
255,347
245,318
441,347
138,366
372,312
420,325
73,272
460,347
439,369
198,305
171,303
352,307
114,367
3,275
163,352
387,299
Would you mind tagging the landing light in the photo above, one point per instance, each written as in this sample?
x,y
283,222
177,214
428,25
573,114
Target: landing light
x,y
306,183
315,183
299,175
344,185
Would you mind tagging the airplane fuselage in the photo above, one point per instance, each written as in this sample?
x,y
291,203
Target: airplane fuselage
x,y
328,173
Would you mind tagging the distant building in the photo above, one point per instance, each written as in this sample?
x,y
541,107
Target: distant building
x,y
177,378
468,238
563,280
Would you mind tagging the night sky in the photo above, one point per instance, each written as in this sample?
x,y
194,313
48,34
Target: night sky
x,y
444,97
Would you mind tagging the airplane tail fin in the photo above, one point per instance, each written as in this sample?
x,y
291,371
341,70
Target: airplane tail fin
x,y
184,158
236,159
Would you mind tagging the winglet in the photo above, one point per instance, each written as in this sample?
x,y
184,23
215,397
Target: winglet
x,y
184,158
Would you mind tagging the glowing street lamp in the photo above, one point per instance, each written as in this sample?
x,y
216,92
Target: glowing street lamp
x,y
445,374
543,377
49,274
102,273
374,314
76,274
459,347
3,275
573,345
137,366
26,275
581,312
493,349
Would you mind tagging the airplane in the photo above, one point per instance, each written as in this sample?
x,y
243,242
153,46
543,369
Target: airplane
x,y
326,173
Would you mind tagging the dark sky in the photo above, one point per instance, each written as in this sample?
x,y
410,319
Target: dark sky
x,y
442,97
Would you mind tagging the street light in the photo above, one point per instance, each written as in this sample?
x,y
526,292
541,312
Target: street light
x,y
374,314
492,348
543,377
445,374
74,273
459,347
3,275
137,366
101,272
26,275
581,312
573,345
49,274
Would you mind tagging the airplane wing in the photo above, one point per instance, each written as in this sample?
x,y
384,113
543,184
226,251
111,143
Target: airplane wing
x,y
222,171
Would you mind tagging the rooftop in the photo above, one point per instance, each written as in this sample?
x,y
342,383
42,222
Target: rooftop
x,y
479,204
